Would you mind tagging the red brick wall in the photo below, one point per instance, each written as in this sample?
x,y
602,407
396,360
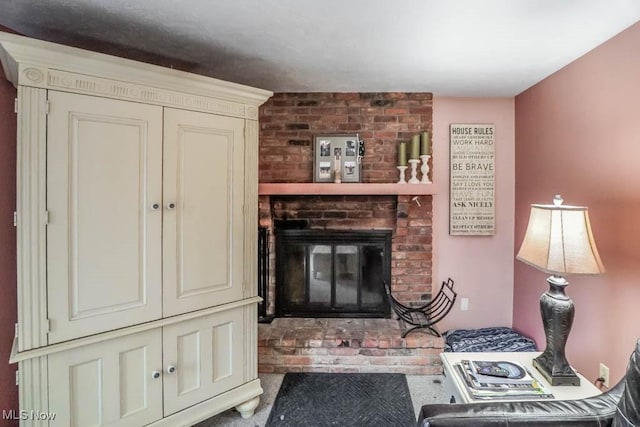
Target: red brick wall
x,y
289,122
412,251
337,212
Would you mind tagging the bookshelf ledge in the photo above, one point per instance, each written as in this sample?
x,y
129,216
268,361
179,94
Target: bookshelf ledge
x,y
345,189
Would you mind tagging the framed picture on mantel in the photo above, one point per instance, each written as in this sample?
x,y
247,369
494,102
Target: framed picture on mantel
x,y
336,158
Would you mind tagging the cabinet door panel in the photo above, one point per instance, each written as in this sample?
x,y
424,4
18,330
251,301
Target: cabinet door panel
x,y
203,234
108,383
208,355
103,239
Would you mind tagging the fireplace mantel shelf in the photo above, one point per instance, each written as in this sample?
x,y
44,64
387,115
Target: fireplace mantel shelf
x,y
345,189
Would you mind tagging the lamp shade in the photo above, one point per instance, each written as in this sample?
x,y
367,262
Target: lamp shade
x,y
559,241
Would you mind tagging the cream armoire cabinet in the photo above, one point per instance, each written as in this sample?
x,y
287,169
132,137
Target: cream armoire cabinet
x,y
136,225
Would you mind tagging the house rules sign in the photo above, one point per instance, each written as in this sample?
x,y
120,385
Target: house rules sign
x,y
472,180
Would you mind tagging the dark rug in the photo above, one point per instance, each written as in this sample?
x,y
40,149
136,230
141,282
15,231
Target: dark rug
x,y
317,400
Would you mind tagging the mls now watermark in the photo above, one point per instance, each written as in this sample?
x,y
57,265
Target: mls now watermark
x,y
25,415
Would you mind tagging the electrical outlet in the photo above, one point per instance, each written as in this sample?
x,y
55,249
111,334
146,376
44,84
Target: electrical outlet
x,y
464,304
604,373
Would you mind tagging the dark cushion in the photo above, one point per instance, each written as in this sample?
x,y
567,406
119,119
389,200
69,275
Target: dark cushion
x,y
594,411
628,409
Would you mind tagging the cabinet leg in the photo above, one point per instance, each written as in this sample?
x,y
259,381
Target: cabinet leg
x,y
246,408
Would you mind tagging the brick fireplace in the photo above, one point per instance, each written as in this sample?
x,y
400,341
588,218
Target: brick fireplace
x,y
289,122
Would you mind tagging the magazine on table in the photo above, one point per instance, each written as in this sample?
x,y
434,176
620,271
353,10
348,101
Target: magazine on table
x,y
505,390
499,372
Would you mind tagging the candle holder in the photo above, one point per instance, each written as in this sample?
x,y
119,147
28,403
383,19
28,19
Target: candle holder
x,y
401,169
425,169
414,171
337,178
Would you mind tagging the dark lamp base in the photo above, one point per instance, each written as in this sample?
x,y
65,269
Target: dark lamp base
x,y
557,312
565,378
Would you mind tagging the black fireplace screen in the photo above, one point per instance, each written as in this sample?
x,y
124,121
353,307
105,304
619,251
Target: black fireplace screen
x,y
332,273
263,274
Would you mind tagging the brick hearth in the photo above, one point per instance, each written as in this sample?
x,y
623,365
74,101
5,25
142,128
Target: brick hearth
x,y
345,345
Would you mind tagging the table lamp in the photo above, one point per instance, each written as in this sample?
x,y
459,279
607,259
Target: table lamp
x,y
558,241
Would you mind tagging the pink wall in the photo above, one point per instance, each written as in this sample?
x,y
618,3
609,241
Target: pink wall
x,y
8,389
482,266
578,134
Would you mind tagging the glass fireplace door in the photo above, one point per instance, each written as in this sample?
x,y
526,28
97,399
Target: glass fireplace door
x,y
320,277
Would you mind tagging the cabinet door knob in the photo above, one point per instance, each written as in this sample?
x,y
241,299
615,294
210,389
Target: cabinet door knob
x,y
155,375
155,206
171,206
171,369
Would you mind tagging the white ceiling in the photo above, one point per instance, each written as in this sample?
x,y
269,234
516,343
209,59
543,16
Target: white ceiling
x,y
448,47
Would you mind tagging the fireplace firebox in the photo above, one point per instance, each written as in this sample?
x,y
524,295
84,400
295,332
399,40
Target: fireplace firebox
x,y
332,273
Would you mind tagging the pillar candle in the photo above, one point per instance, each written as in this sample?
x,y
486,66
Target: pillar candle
x,y
425,147
415,147
402,154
